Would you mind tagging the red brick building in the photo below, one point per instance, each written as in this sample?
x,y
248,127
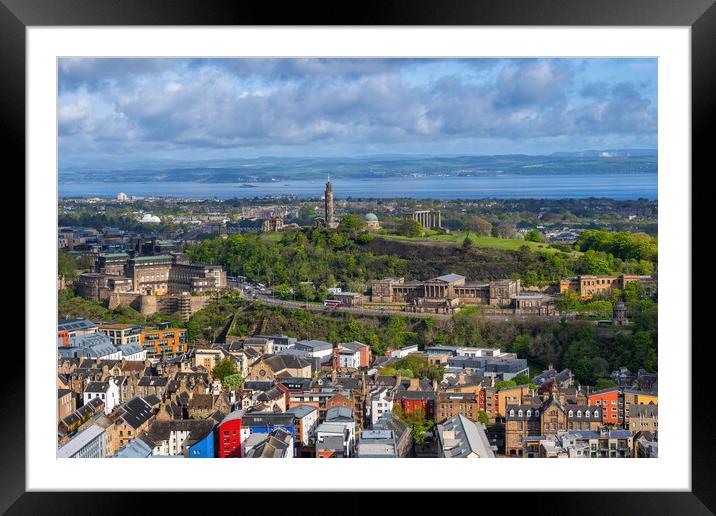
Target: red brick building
x,y
410,401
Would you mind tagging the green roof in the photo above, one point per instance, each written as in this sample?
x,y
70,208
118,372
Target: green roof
x,y
371,217
114,255
149,258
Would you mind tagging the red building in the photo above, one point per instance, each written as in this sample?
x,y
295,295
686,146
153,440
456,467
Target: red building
x,y
229,435
412,400
611,404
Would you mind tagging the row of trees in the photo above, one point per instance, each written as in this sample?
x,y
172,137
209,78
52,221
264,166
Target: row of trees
x,y
623,245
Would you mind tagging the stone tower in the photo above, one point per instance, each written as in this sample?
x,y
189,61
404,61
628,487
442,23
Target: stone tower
x,y
329,209
619,317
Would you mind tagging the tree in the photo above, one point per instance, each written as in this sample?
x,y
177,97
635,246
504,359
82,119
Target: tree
x,y
410,227
352,224
604,383
533,236
505,383
521,379
223,369
416,420
233,380
521,346
483,418
477,225
468,243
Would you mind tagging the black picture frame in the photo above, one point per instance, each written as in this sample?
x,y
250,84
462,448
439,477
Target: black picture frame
x,y
700,15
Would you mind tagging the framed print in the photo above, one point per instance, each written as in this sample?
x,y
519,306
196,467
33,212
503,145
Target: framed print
x,y
403,239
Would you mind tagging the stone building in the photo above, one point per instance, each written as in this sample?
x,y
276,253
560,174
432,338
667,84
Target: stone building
x,y
588,285
445,294
158,275
644,418
448,286
546,418
428,219
372,222
272,225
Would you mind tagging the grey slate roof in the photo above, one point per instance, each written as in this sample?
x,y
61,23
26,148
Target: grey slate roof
x,y
450,277
339,414
330,443
469,438
136,412
97,387
135,449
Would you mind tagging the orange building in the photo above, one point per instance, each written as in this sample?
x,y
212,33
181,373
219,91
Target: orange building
x,y
612,405
166,343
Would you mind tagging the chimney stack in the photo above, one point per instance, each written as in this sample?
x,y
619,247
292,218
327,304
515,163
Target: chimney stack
x,y
335,361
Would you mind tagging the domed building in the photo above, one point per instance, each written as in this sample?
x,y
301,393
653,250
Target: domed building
x,y
371,220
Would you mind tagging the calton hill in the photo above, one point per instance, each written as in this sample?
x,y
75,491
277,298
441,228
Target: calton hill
x,y
303,264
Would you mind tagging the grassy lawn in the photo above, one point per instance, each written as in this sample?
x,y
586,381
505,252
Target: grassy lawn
x,y
457,237
271,237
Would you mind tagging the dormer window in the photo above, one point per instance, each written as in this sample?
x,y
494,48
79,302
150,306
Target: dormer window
x,y
571,413
519,413
596,413
529,413
536,413
587,413
579,413
512,413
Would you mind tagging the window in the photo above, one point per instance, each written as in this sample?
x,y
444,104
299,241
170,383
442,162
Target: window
x,y
512,413
571,413
579,413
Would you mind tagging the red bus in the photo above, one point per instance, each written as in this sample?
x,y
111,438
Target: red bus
x,y
332,303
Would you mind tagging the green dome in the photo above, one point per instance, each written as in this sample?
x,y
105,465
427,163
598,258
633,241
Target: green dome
x,y
371,217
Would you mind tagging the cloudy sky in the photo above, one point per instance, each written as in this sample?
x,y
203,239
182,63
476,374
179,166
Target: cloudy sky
x,y
128,110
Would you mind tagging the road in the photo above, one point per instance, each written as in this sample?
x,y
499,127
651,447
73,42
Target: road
x,y
266,299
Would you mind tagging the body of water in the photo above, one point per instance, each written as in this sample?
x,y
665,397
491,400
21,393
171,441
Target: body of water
x,y
507,186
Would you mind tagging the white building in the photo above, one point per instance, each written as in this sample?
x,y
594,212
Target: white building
x,y
121,197
349,358
402,352
339,422
315,349
148,218
133,352
87,444
106,391
308,416
325,430
381,403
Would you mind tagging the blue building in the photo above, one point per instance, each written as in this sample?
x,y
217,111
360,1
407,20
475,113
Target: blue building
x,y
266,422
203,448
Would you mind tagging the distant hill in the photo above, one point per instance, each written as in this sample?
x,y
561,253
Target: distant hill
x,y
609,153
267,169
